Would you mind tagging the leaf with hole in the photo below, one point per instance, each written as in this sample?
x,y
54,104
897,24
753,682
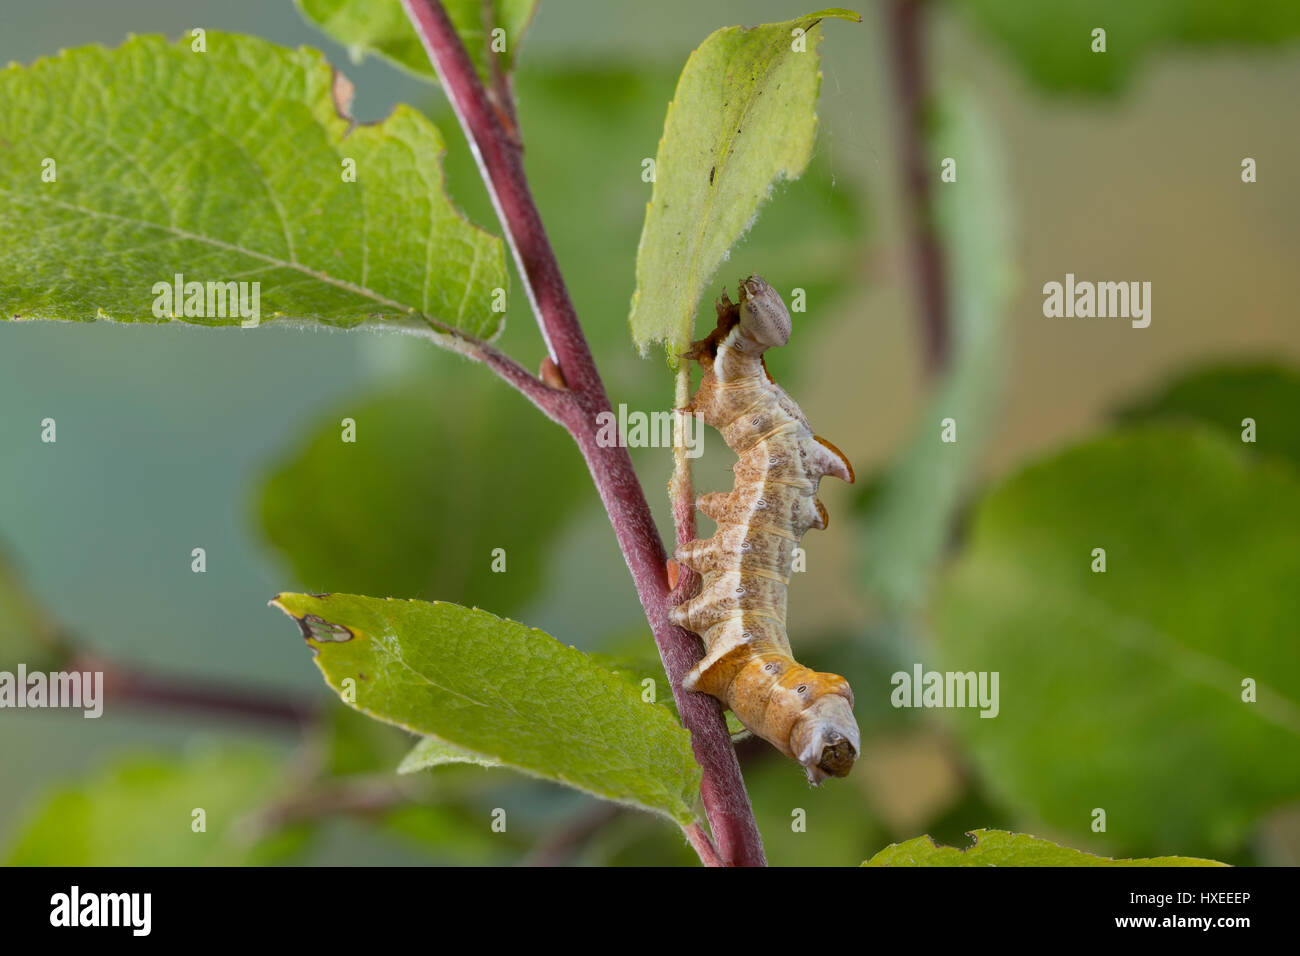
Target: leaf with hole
x,y
1000,848
505,692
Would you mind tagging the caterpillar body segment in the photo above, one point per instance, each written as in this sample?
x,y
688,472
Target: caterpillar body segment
x,y
740,611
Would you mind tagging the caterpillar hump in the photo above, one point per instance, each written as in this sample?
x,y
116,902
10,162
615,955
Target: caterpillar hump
x,y
740,611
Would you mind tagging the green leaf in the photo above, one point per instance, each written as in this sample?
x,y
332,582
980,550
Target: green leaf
x,y
1125,690
227,166
910,509
139,812
381,27
742,118
431,752
504,691
421,502
28,632
999,848
636,661
1052,42
1224,396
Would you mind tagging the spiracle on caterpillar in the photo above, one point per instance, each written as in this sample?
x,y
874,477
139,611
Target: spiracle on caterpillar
x,y
740,610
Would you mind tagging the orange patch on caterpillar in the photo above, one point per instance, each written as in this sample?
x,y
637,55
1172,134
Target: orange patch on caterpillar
x,y
823,517
805,714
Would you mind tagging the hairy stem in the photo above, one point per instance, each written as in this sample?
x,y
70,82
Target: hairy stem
x,y
500,163
702,844
905,20
500,92
551,401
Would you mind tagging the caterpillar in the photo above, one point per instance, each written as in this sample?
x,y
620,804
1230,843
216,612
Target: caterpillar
x,y
740,611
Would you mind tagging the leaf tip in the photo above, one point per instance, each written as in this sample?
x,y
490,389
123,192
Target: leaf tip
x,y
315,629
837,13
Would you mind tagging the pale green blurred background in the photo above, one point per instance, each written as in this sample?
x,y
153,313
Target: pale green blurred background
x,y
166,434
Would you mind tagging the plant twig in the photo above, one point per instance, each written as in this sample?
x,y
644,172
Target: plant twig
x,y
551,401
681,494
722,789
127,685
501,91
561,845
680,490
703,845
905,20
363,796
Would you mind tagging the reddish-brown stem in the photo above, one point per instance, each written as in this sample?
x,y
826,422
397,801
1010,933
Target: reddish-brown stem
x,y
356,796
550,400
132,687
703,845
722,789
905,20
501,92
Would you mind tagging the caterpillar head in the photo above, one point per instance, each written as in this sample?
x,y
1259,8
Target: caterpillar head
x,y
825,738
763,315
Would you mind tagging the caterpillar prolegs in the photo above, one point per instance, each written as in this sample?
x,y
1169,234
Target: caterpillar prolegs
x,y
740,611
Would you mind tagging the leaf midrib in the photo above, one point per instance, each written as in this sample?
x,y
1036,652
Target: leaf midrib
x,y
392,648
710,200
670,795
319,275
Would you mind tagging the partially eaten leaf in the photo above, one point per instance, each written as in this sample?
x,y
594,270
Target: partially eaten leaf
x,y
1000,848
154,182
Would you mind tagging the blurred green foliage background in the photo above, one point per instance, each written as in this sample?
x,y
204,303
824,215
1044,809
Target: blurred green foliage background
x,y
1122,166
